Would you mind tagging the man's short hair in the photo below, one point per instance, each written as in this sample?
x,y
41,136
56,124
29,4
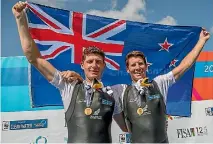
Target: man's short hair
x,y
135,54
92,50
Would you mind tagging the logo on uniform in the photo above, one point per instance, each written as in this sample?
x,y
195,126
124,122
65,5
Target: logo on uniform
x,y
106,102
82,101
133,100
209,111
156,96
96,115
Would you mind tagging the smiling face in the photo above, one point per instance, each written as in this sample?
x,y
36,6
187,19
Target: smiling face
x,y
136,65
93,63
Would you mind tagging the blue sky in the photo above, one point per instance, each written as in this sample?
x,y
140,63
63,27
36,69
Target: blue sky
x,y
172,12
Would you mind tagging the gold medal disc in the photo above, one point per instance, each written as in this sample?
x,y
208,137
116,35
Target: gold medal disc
x,y
88,111
140,111
97,86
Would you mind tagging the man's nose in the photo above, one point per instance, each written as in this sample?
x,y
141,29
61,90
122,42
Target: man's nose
x,y
137,66
94,64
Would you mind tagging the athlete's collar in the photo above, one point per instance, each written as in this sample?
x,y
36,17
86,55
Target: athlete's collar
x,y
91,84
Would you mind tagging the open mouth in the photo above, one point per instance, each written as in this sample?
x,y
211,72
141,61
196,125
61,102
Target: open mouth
x,y
138,73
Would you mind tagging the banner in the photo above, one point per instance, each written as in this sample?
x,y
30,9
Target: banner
x,y
51,126
62,35
197,128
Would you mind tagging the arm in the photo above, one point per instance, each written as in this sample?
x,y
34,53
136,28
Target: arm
x,y
118,114
164,82
70,76
188,61
28,45
119,118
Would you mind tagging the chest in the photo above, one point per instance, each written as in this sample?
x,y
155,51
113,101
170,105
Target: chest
x,y
146,104
101,105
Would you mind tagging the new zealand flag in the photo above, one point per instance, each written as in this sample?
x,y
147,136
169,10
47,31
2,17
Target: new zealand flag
x,y
62,35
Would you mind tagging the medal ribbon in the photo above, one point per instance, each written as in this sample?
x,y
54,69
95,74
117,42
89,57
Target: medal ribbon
x,y
90,91
139,94
88,94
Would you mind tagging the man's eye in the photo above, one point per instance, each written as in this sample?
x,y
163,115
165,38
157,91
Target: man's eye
x,y
141,63
89,61
98,62
133,65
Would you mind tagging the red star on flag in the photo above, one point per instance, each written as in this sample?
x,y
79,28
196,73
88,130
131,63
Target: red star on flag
x,y
173,62
165,45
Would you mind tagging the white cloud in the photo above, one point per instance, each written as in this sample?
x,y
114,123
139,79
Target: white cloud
x,y
211,30
134,10
51,3
131,11
168,20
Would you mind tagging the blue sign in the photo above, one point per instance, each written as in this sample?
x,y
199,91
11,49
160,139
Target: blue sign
x,y
27,124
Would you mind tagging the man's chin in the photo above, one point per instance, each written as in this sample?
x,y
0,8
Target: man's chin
x,y
139,77
94,77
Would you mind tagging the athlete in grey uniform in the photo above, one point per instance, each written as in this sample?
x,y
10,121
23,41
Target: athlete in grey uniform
x,y
89,112
144,104
89,107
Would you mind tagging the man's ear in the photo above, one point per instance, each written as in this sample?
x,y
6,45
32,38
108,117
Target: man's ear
x,y
127,69
146,67
104,64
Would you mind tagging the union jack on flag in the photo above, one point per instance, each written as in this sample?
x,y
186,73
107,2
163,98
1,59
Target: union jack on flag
x,y
62,35
75,36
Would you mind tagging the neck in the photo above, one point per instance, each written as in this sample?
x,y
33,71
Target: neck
x,y
134,80
89,81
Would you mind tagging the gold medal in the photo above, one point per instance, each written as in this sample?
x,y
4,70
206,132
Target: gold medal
x,y
88,111
140,111
145,82
97,86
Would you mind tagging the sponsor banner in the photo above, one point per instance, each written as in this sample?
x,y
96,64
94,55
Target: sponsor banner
x,y
197,128
47,126
24,124
50,126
